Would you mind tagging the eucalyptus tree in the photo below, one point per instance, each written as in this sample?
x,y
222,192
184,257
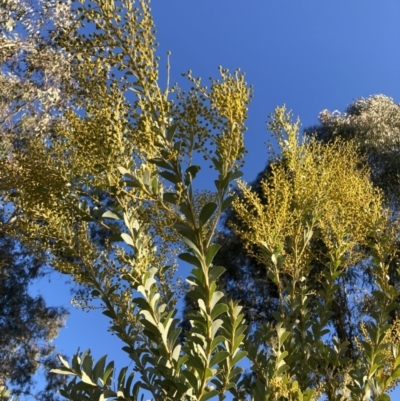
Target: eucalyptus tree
x,y
374,124
136,143
27,324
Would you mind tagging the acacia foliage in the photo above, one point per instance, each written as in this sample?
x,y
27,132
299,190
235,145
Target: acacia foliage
x,y
33,69
135,144
32,73
371,123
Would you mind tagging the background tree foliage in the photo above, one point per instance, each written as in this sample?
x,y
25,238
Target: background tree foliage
x,y
374,124
31,75
33,68
27,325
127,166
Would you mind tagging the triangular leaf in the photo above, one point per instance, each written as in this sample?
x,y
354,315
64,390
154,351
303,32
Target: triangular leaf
x,y
189,258
227,202
169,176
211,252
209,395
191,378
217,340
218,310
171,132
128,239
170,197
63,361
110,215
161,163
86,379
99,367
190,174
235,175
206,212
62,372
218,357
215,272
185,230
192,246
239,356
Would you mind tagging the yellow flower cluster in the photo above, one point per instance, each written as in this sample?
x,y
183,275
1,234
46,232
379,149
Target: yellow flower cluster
x,y
316,192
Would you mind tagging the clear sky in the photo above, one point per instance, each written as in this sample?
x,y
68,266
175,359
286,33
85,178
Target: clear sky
x,y
311,55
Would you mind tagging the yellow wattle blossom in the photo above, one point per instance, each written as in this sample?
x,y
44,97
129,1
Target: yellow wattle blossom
x,y
316,192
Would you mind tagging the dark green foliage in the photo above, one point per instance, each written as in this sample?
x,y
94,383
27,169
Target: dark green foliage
x,y
27,324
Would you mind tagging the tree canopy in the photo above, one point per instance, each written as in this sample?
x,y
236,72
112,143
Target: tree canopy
x,y
372,125
123,161
27,324
32,69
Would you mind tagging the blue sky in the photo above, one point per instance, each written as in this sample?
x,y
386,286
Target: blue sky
x,y
311,55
